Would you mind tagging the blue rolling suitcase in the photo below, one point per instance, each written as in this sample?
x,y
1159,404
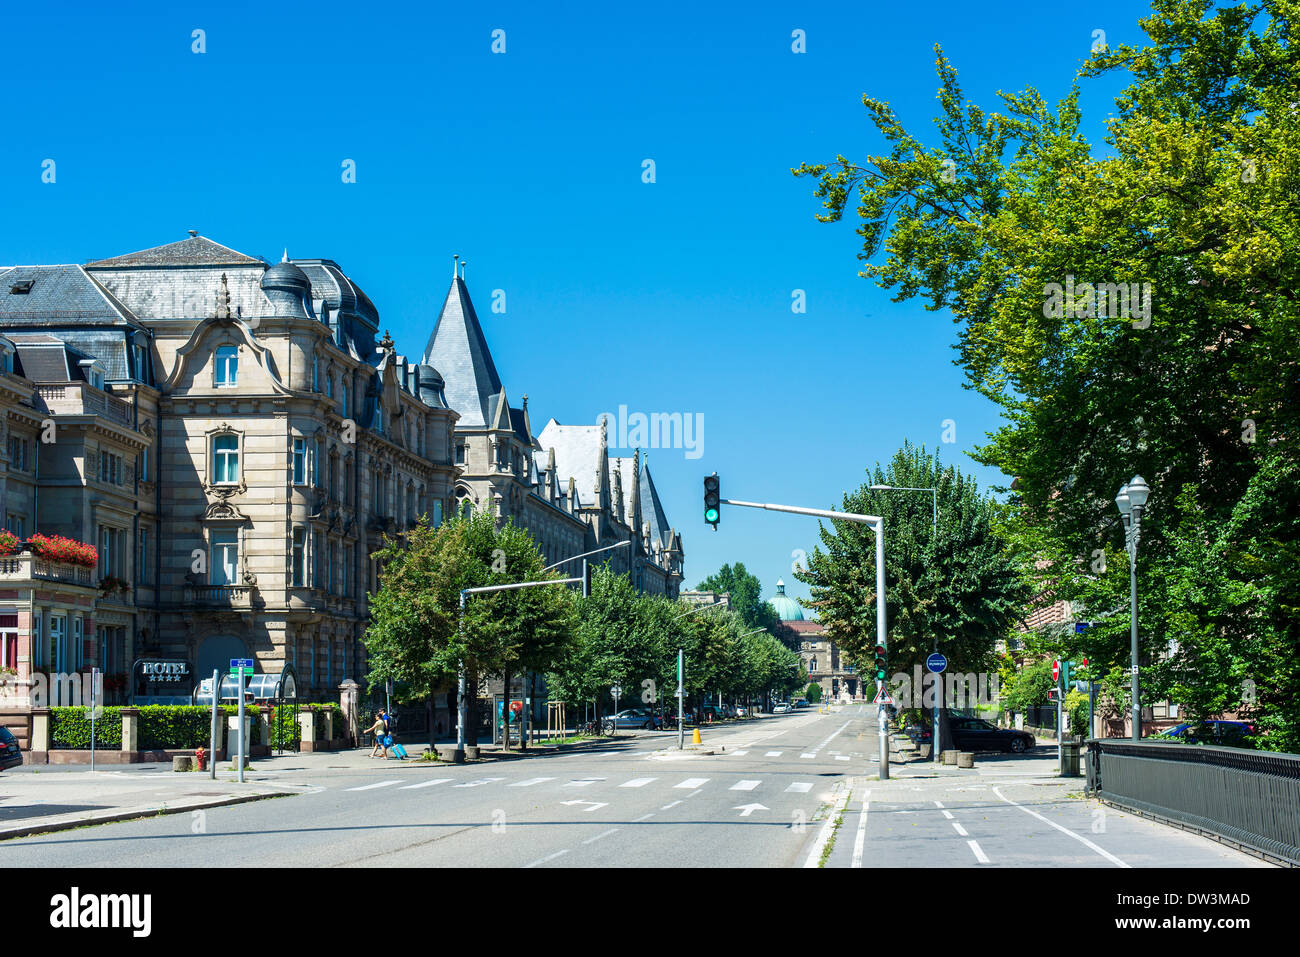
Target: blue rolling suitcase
x,y
398,750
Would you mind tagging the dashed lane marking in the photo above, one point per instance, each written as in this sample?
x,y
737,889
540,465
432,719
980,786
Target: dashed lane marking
x,y
691,783
424,784
378,784
529,783
799,787
637,782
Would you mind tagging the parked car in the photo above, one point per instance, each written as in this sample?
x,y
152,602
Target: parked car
x,y
634,718
11,755
741,712
1226,734
781,708
976,734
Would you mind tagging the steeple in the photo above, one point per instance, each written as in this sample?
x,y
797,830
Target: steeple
x,y
458,349
634,505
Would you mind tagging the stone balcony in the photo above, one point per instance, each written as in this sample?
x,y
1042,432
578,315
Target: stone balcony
x,y
220,596
81,398
27,568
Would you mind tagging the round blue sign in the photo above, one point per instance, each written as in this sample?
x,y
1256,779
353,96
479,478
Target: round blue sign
x,y
936,663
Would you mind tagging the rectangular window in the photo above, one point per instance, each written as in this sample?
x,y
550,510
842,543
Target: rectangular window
x,y
315,375
460,453
329,568
142,465
318,450
299,557
78,646
225,455
110,468
318,556
59,642
299,461
38,642
9,639
137,351
142,558
18,453
227,366
224,558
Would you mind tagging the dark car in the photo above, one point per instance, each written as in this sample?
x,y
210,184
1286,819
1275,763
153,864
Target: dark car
x,y
1226,734
10,754
976,734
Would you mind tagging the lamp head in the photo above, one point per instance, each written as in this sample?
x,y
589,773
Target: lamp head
x,y
1122,502
1138,491
881,488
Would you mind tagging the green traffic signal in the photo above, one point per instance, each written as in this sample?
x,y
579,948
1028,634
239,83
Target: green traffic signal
x,y
711,515
712,499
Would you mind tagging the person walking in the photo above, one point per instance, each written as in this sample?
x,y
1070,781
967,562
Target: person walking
x,y
380,731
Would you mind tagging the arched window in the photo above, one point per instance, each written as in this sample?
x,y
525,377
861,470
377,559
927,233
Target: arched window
x,y
225,459
227,366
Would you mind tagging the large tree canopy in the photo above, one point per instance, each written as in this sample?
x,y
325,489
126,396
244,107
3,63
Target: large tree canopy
x,y
1133,310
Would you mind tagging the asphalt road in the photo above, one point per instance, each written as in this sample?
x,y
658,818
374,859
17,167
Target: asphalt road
x,y
772,798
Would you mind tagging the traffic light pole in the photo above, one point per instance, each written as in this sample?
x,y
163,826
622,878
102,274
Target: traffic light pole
x,y
878,526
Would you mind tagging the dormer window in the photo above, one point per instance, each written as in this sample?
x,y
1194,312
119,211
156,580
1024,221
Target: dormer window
x,y
21,287
227,374
94,374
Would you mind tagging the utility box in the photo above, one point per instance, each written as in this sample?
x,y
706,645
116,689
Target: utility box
x,y
1069,759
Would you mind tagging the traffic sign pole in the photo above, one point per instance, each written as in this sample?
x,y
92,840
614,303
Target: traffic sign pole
x,y
937,664
241,724
212,753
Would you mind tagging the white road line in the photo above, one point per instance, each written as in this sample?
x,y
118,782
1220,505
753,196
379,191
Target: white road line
x,y
773,754
1065,830
549,857
859,843
480,781
799,787
740,754
948,815
807,755
744,785
644,817
380,784
593,840
824,835
582,782
938,804
424,784
832,736
959,829
979,854
667,806
529,783
695,792
841,757
691,783
637,782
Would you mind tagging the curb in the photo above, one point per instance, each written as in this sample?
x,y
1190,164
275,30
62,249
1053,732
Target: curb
x,y
111,817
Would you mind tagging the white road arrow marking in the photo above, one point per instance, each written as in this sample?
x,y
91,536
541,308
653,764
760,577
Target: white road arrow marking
x,y
594,804
747,809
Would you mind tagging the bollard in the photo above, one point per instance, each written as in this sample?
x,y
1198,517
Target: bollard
x,y
965,759
949,757
696,739
183,762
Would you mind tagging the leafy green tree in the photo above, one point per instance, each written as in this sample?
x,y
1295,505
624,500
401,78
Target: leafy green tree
x,y
746,595
1015,225
813,692
414,634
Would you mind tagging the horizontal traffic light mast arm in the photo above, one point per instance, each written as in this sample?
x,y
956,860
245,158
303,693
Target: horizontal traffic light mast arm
x,y
516,585
818,512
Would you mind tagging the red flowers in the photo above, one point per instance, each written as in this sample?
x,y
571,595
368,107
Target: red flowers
x,y
8,542
56,548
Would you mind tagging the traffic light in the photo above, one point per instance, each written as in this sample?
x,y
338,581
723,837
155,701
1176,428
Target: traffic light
x,y
881,665
712,500
588,570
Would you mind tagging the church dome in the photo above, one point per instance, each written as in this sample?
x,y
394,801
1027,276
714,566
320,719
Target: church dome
x,y
786,608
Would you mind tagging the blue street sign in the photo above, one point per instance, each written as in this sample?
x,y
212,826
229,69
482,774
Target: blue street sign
x,y
937,663
245,663
1081,626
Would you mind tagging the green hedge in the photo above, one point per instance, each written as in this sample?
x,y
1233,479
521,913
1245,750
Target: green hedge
x,y
165,727
70,728
286,735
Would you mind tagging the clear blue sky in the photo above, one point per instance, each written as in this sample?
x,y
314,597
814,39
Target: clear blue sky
x,y
529,164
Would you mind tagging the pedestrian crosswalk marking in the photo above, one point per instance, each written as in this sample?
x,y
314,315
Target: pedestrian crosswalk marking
x,y
773,754
474,784
637,782
807,755
745,785
841,757
529,783
582,782
799,787
691,783
423,784
380,784
740,754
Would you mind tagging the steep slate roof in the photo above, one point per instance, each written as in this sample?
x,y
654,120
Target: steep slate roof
x,y
458,350
195,251
63,294
577,453
48,359
652,510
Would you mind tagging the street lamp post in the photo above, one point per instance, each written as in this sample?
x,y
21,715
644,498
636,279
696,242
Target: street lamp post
x,y
1131,502
934,515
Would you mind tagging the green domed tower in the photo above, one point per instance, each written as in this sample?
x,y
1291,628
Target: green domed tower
x,y
786,608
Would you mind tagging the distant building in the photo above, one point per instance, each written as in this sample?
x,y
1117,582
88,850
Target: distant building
x,y
818,653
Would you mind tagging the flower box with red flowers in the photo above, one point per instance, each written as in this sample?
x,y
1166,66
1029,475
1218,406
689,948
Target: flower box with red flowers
x,y
9,543
56,548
